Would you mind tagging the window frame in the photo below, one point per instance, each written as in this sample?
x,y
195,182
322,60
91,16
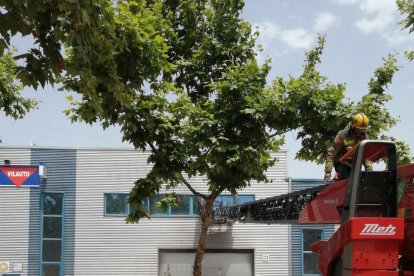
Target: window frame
x,y
193,207
308,251
127,207
42,238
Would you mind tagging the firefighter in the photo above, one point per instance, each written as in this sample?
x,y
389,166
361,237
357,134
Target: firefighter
x,y
351,135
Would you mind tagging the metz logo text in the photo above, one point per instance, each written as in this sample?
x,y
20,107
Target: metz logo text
x,y
376,229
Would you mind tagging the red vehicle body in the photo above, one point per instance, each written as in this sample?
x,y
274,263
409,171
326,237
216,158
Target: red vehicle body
x,y
376,236
374,210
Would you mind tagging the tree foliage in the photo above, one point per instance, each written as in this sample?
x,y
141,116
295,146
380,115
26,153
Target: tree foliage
x,y
111,49
406,7
181,79
11,101
318,109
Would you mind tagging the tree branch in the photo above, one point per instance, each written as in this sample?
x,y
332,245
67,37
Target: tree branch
x,y
152,147
281,132
192,189
207,168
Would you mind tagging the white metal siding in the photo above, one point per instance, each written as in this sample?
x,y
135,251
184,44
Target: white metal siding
x,y
100,245
19,218
106,246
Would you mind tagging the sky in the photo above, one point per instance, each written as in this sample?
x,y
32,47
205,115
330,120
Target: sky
x,y
359,33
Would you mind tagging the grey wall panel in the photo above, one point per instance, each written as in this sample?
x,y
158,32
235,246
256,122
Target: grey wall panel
x,y
296,230
61,168
19,216
100,245
107,246
296,243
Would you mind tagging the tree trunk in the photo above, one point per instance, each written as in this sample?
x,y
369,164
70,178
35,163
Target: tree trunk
x,y
205,222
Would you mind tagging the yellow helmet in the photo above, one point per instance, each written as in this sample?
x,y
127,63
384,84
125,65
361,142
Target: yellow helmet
x,y
360,121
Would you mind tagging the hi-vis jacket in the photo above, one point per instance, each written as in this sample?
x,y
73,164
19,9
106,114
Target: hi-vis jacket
x,y
344,141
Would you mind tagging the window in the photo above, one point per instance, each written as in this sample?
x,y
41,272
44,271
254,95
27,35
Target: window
x,y
229,200
184,207
52,234
189,204
309,259
154,210
116,204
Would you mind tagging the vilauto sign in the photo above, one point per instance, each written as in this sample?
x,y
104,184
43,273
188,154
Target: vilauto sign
x,y
19,176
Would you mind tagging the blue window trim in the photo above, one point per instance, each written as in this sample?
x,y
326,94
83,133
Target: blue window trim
x,y
62,215
193,201
302,251
115,215
191,206
168,214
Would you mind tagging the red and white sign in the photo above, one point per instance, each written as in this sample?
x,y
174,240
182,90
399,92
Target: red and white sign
x,y
376,229
19,175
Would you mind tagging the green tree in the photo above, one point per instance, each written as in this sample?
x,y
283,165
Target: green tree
x,y
97,36
317,108
181,79
11,101
211,113
406,7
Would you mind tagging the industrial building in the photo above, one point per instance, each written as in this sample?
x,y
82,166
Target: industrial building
x,y
73,222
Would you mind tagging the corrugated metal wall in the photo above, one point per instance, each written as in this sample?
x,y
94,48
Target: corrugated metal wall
x,y
106,246
19,218
95,244
61,169
296,230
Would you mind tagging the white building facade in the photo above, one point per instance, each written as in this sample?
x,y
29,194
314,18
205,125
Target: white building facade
x,y
74,223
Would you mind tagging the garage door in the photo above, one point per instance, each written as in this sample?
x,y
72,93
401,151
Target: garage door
x,y
215,263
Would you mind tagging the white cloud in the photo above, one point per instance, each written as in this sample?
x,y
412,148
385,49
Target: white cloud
x,y
297,38
378,23
324,21
344,2
380,15
268,30
294,38
269,33
396,37
411,86
372,6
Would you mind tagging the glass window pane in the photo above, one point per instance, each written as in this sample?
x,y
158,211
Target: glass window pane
x,y
244,198
52,227
184,206
52,204
224,201
154,210
310,236
310,263
51,251
50,270
116,204
229,200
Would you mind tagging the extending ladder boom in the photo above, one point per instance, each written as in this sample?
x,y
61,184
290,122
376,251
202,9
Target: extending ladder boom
x,y
278,209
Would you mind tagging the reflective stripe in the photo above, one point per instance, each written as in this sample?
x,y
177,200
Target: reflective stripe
x,y
348,142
